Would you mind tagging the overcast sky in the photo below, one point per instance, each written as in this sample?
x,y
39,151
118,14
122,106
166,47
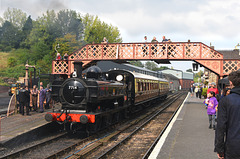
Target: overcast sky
x,y
208,21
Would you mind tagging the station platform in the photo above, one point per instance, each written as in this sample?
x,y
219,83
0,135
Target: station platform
x,y
188,135
16,125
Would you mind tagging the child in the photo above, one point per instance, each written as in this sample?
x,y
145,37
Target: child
x,y
211,109
206,101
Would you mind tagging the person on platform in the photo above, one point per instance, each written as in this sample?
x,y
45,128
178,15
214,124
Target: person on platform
x,y
145,39
225,92
58,57
105,41
213,88
22,99
191,90
227,135
65,56
42,96
165,40
211,109
200,92
34,94
28,100
48,96
154,39
196,91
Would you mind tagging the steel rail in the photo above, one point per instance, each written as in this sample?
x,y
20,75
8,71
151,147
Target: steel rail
x,y
21,152
149,151
85,151
137,129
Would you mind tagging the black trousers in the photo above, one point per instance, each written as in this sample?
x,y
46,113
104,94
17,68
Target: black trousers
x,y
22,105
200,95
27,108
21,110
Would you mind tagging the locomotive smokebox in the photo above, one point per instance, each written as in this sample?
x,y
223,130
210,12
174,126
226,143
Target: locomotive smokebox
x,y
78,68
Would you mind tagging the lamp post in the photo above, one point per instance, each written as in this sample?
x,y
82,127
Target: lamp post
x,y
57,47
39,78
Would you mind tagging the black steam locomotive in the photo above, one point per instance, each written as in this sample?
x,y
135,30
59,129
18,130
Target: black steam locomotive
x,y
100,99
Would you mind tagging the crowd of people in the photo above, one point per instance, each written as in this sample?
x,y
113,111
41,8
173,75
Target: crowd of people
x,y
155,39
40,95
223,110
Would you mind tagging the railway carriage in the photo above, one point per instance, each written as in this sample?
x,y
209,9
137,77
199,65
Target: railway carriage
x,y
101,99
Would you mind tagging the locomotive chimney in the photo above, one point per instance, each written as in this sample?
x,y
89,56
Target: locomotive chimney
x,y
78,68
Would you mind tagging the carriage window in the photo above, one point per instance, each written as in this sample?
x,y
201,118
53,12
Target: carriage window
x,y
139,86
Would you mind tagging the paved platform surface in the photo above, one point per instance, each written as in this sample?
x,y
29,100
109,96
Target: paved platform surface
x,y
189,137
17,124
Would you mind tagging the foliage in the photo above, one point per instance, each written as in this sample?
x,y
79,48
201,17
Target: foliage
x,y
15,16
12,61
68,44
137,63
15,72
154,67
189,70
95,30
206,83
35,40
22,55
204,92
163,68
10,36
197,76
151,65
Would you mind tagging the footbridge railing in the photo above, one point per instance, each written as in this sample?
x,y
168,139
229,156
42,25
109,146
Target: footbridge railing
x,y
195,51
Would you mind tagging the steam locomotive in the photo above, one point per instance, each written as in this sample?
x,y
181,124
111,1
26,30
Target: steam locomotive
x,y
101,99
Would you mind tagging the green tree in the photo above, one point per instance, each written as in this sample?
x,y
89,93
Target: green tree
x,y
151,65
197,76
189,70
15,16
22,55
26,30
95,30
38,51
12,62
163,68
137,63
10,36
68,44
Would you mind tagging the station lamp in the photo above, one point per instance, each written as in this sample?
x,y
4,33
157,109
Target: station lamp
x,y
195,66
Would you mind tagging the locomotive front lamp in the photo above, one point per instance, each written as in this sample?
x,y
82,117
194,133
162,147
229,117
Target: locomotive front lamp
x,y
119,78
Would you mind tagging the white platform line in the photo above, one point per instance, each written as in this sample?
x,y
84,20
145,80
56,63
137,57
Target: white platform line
x,y
160,143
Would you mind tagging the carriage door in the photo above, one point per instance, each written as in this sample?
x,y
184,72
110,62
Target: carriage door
x,y
130,88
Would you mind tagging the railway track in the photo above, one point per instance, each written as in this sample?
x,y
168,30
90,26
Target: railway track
x,y
129,140
91,147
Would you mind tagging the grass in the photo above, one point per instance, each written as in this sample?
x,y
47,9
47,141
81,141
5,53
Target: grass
x,y
4,58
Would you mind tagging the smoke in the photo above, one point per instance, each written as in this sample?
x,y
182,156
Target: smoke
x,y
35,8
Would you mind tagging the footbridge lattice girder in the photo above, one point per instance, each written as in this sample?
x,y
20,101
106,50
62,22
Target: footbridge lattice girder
x,y
195,51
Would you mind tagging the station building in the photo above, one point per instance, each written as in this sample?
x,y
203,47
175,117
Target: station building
x,y
185,79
